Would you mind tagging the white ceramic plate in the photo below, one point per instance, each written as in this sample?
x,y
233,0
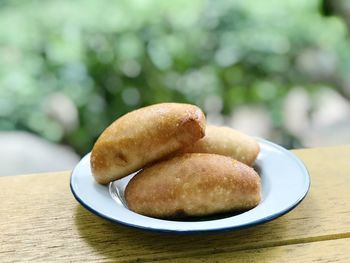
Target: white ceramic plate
x,y
285,182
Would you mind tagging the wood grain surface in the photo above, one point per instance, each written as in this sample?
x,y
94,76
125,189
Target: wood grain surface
x,y
41,221
322,251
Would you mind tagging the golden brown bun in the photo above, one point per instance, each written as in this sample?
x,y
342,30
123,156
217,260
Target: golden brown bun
x,y
228,142
193,184
144,136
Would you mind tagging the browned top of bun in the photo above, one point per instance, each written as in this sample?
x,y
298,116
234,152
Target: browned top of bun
x,y
143,136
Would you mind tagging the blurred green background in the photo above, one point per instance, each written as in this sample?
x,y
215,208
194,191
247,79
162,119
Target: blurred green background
x,y
276,69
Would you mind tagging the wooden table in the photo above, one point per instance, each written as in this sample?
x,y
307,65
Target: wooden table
x,y
41,221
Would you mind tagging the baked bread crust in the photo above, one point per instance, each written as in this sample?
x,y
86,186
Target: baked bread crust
x,y
143,136
193,184
228,142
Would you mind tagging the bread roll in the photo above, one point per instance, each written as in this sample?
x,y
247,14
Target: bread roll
x,y
144,136
228,142
193,185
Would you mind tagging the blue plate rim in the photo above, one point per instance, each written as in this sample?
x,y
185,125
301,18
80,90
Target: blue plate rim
x,y
223,229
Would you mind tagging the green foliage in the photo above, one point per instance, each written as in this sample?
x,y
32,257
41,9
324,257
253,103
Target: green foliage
x,y
110,57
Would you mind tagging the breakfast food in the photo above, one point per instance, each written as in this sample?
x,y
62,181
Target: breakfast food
x,y
228,142
144,136
193,184
183,174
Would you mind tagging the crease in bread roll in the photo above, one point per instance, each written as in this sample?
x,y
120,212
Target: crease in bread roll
x,y
226,141
143,136
193,184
